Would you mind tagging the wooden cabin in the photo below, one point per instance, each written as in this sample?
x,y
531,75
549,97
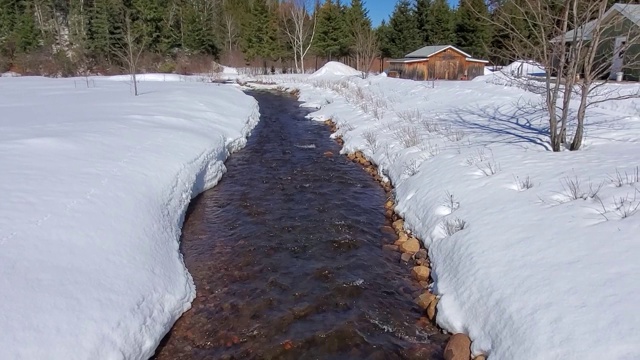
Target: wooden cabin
x,y
437,62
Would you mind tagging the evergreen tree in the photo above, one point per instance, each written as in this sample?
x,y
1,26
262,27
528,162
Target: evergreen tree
x,y
27,34
440,23
356,20
383,34
330,30
402,35
422,20
473,29
260,37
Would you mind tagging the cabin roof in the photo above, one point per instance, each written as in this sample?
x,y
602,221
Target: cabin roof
x,y
407,60
630,11
431,50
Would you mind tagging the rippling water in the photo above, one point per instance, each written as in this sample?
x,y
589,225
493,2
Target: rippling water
x,y
286,253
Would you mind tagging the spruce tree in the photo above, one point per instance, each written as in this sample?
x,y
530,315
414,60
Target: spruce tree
x,y
260,33
403,35
27,35
440,23
356,19
330,31
422,20
473,29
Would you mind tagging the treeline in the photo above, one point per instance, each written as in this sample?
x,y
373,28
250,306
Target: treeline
x,y
70,37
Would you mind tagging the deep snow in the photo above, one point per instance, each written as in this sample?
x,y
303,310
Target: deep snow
x,y
534,274
94,185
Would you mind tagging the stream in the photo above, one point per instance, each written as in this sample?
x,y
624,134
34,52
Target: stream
x,y
286,254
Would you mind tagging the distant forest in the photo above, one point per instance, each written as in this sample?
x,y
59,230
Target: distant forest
x,y
74,37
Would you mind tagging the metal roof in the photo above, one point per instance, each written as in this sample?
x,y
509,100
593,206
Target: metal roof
x,y
431,50
407,60
630,11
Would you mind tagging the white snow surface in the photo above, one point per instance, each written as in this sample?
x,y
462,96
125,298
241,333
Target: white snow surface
x,y
95,183
534,274
335,68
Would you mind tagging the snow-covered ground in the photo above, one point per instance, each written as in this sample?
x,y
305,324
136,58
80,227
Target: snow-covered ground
x,y
94,183
535,253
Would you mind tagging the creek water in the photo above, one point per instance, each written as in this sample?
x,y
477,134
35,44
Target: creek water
x,y
286,254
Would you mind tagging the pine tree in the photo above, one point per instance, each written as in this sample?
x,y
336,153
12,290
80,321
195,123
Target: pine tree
x,y
27,34
260,33
356,19
422,19
440,23
330,31
383,34
473,30
403,35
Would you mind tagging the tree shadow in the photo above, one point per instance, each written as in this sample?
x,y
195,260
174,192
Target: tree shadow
x,y
517,123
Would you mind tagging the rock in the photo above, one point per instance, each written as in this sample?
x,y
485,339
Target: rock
x,y
480,357
328,154
421,273
425,299
398,225
388,204
431,309
424,284
402,236
351,156
458,348
420,261
421,254
406,257
388,214
389,247
410,246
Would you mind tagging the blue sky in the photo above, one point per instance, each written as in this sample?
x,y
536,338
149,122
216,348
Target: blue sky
x,y
382,9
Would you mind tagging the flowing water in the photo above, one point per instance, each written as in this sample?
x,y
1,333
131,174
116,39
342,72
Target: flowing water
x,y
286,254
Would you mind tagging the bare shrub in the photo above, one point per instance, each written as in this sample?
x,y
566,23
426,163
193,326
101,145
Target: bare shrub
x,y
450,202
452,135
431,126
620,180
371,138
430,148
408,136
489,168
574,191
524,183
626,206
452,226
478,156
410,116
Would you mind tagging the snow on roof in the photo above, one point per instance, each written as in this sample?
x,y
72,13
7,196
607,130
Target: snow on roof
x,y
431,50
630,11
334,68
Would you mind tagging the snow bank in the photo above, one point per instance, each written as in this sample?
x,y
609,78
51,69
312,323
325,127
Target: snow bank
x,y
523,67
94,185
334,68
534,273
10,74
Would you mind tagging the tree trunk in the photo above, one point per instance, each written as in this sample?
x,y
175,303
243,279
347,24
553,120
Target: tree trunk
x,y
582,110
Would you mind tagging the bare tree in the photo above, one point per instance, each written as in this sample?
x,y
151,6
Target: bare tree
x,y
576,62
365,49
300,28
129,49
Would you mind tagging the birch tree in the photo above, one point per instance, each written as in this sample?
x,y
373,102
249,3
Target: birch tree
x,y
300,29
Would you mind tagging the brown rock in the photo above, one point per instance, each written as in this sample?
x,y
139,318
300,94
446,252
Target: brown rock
x,y
410,246
398,225
480,357
388,204
406,257
351,156
425,299
458,348
421,273
424,284
388,214
420,261
431,309
402,237
421,254
389,247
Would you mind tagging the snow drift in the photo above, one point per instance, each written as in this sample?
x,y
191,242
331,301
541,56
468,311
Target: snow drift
x,y
94,185
333,69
